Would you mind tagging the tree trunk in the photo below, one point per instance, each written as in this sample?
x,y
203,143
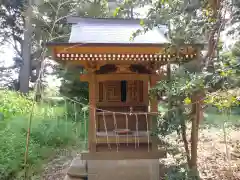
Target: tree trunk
x,y
212,41
194,134
38,83
24,73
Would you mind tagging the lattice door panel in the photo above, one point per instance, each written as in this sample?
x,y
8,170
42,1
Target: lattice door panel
x,y
112,91
135,91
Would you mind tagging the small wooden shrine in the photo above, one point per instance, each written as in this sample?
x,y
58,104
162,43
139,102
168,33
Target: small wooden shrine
x,y
120,72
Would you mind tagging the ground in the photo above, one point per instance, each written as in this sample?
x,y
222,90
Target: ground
x,y
212,159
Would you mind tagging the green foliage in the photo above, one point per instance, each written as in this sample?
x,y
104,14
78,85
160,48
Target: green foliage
x,y
13,104
126,8
51,129
180,172
94,9
10,18
178,90
222,100
185,25
72,86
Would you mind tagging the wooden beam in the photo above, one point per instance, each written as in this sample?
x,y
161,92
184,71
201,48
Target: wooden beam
x,y
115,77
68,48
121,48
119,77
122,104
123,139
111,155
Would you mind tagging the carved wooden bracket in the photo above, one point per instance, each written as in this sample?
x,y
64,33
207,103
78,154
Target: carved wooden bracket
x,y
151,66
123,69
92,66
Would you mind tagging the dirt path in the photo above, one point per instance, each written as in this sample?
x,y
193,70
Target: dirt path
x,y
57,168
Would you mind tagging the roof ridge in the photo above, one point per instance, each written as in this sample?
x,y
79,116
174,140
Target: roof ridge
x,y
78,19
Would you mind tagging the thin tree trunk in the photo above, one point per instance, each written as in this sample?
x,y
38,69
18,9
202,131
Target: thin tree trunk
x,y
131,12
194,136
185,141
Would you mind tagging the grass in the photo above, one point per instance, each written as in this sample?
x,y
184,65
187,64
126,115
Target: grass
x,y
217,120
213,118
52,129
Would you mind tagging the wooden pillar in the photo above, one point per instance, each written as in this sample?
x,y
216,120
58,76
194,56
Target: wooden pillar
x,y
153,102
153,108
92,112
145,92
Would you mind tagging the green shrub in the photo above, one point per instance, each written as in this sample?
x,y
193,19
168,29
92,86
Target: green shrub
x,y
51,129
13,104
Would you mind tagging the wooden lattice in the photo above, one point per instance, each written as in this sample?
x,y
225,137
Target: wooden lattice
x,y
135,91
112,90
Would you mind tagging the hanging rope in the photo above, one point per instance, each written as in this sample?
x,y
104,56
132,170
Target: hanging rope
x,y
148,134
137,133
85,128
75,118
95,124
66,115
105,127
139,113
80,126
115,127
127,126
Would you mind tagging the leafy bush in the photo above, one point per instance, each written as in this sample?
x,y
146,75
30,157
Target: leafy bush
x,y
51,129
13,104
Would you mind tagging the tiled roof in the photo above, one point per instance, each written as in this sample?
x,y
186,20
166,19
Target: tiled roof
x,y
119,31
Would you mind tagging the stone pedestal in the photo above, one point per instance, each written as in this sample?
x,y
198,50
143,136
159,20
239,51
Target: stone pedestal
x,y
77,170
123,169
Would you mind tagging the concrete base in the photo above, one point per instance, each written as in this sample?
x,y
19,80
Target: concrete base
x,y
123,169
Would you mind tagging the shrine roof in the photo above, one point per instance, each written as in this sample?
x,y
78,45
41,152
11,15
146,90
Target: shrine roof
x,y
94,39
114,31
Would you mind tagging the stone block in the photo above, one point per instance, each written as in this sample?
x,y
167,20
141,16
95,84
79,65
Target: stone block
x,y
123,169
78,168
